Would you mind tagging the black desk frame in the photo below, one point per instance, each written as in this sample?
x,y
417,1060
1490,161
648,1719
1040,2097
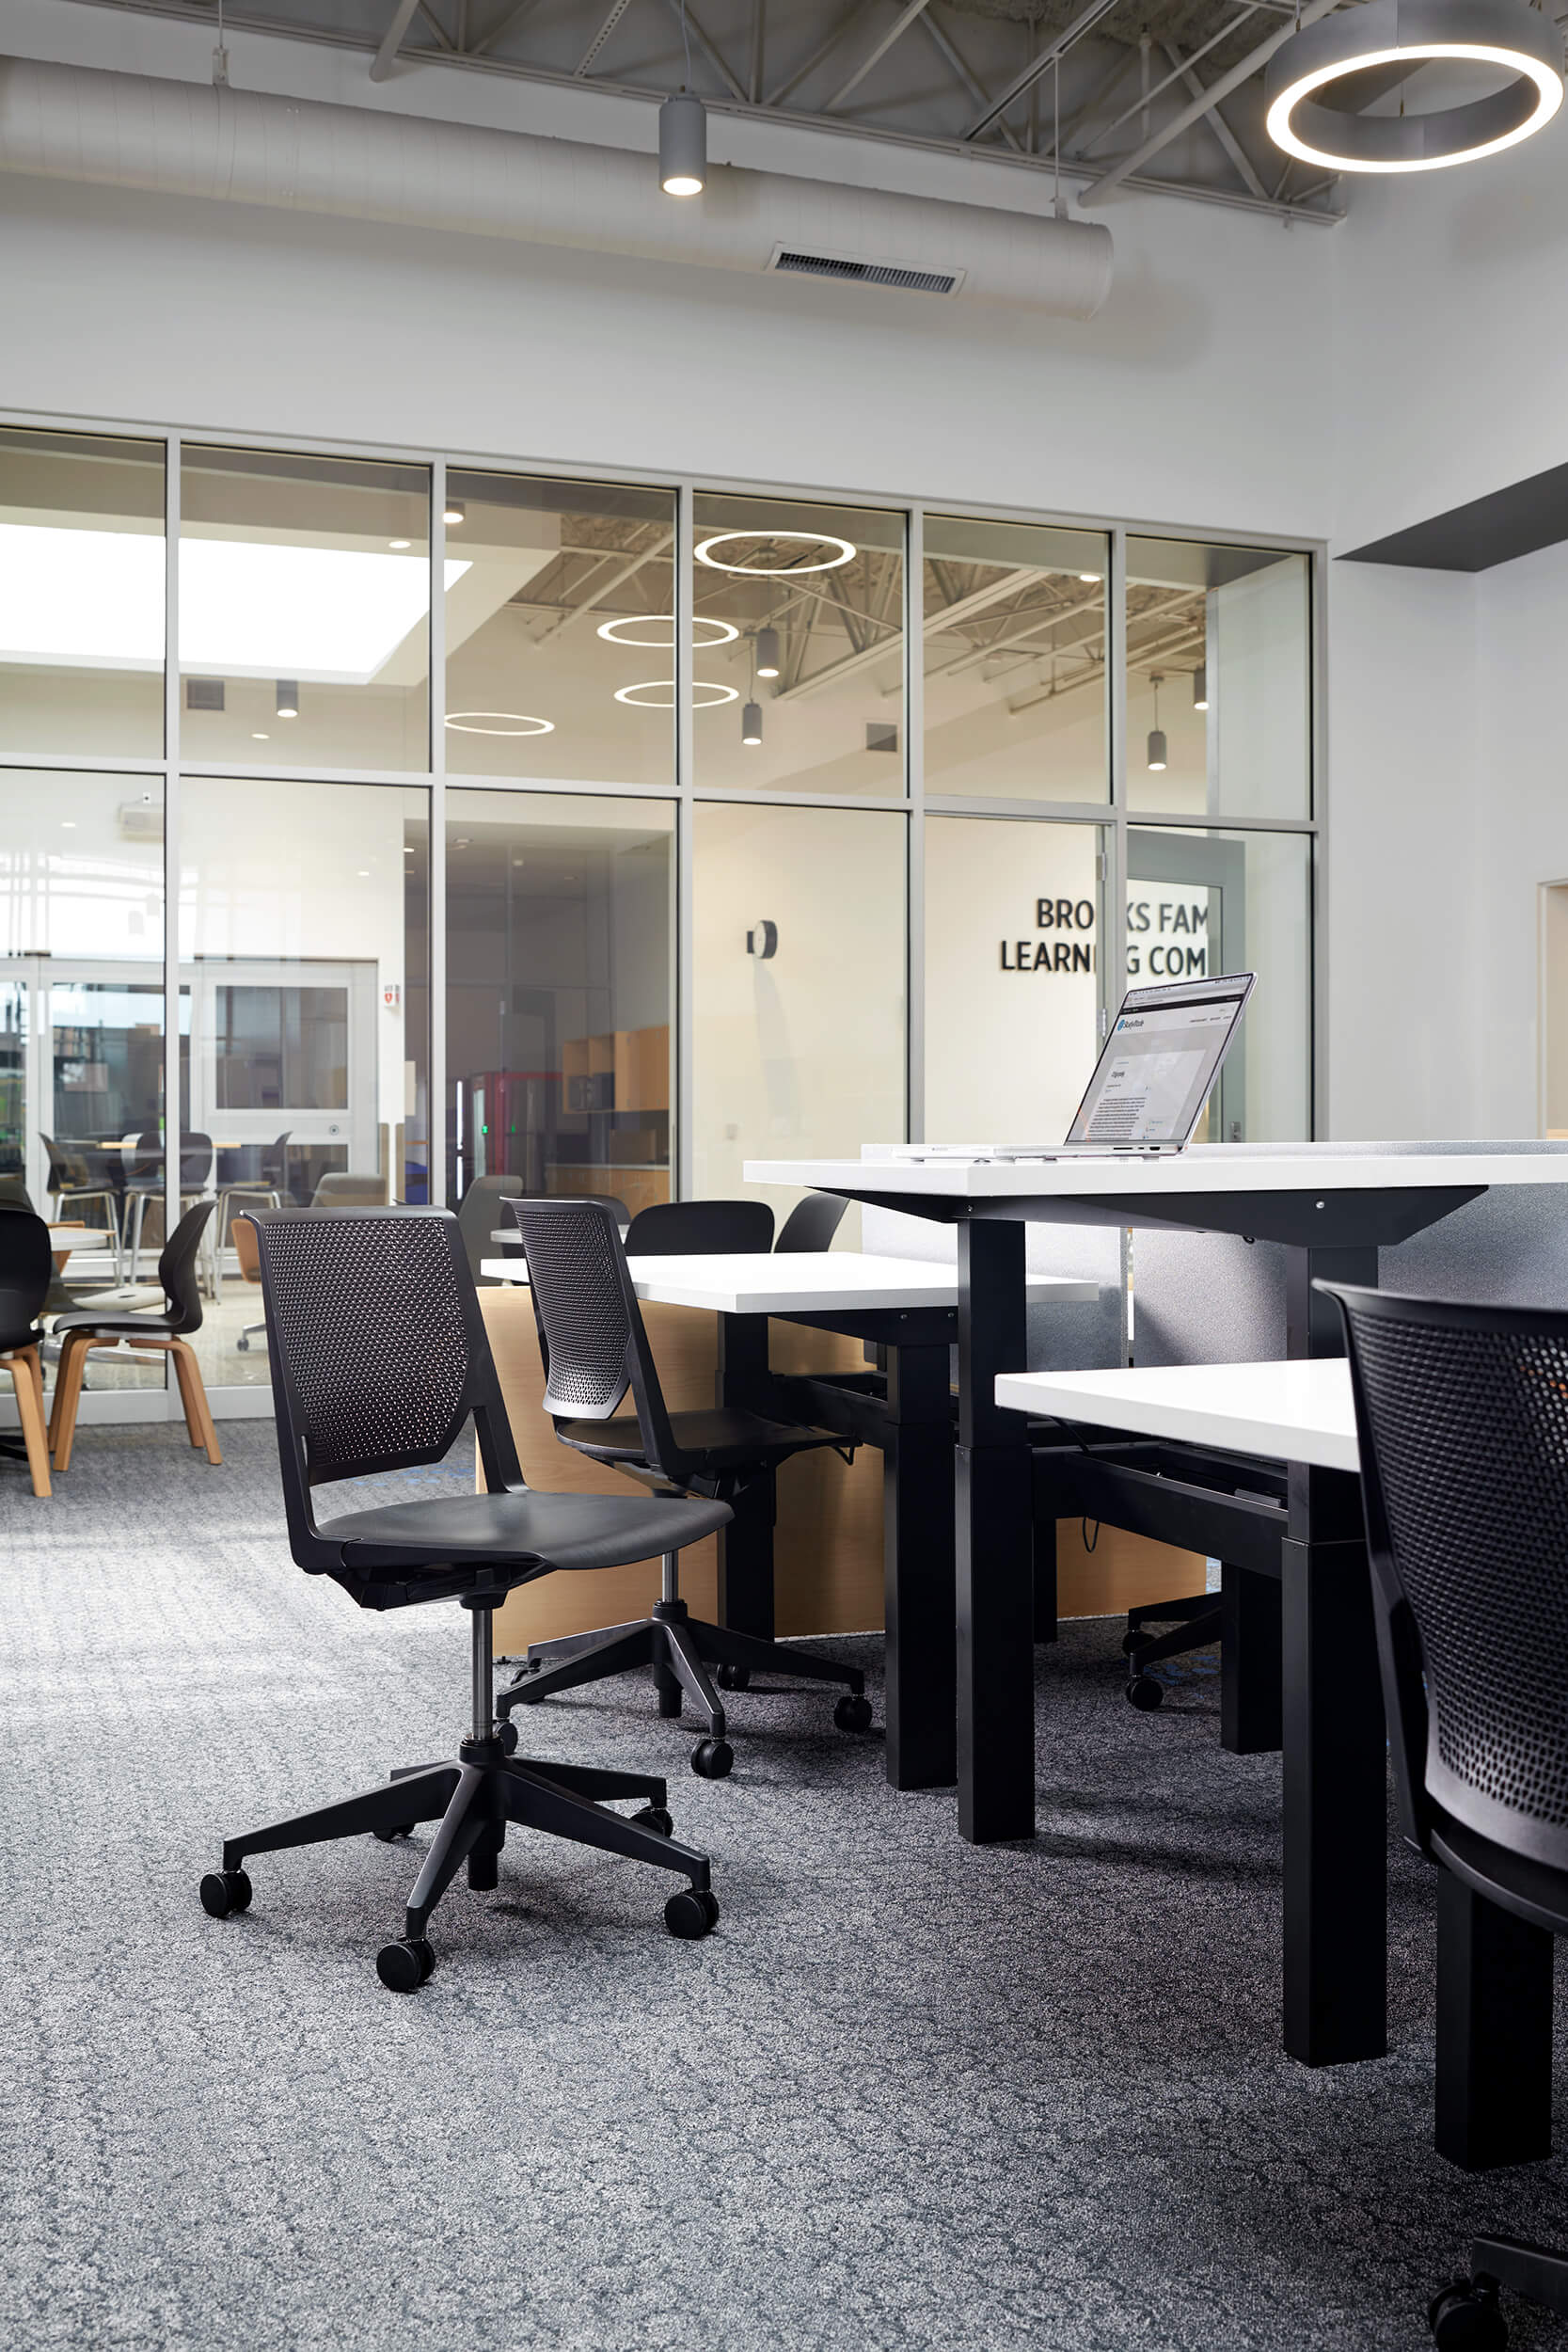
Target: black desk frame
x,y
1332,1726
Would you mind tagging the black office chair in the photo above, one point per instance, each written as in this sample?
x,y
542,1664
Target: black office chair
x,y
689,1229
379,1359
811,1224
164,1331
478,1215
1461,1416
596,1351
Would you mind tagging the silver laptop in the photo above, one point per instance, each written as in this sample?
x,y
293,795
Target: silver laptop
x,y
1157,1066
1154,1074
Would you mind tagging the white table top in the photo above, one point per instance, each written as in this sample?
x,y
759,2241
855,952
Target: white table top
x,y
1298,1411
1203,1171
842,1282
78,1238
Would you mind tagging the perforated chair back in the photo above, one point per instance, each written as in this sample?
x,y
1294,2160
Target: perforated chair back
x,y
1462,1414
377,1348
26,1269
177,1270
592,1339
811,1224
683,1228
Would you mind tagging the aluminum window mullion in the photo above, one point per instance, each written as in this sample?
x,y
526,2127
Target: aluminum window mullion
x,y
1113,981
684,1155
171,838
915,784
435,929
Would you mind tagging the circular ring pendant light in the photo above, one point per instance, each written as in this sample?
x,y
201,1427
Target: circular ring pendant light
x,y
659,693
663,626
845,551
499,722
1506,34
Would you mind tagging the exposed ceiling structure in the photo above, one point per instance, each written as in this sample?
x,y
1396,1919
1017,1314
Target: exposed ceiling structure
x,y
1162,95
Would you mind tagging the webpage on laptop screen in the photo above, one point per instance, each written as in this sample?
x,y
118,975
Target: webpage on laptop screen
x,y
1150,1086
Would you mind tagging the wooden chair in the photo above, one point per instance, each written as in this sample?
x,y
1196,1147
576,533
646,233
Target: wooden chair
x,y
80,1333
26,1269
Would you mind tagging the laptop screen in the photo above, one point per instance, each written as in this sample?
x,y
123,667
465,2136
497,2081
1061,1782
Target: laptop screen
x,y
1161,1059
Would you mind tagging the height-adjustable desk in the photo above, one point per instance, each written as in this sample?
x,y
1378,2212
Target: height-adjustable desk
x,y
1331,1211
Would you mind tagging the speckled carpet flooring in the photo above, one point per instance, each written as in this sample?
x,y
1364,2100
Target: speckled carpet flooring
x,y
908,2094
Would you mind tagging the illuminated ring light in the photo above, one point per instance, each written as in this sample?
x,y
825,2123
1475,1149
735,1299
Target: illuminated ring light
x,y
724,632
1502,33
773,571
467,722
666,686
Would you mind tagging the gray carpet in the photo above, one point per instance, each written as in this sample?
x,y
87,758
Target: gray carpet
x,y
908,2094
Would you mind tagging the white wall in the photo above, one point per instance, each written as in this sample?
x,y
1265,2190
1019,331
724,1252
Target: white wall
x,y
1193,398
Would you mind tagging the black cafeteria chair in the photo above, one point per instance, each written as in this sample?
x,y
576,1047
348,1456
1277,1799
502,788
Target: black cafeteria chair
x,y
1462,1418
27,1270
596,1352
269,1185
379,1359
689,1229
811,1224
73,1182
145,1183
166,1330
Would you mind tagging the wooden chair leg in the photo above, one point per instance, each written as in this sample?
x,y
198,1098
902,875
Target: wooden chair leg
x,y
23,1370
198,1418
68,1391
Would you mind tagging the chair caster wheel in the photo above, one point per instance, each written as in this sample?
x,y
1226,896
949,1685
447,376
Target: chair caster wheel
x,y
733,1678
506,1732
654,1816
692,1914
1145,1694
223,1891
243,1345
390,1836
1131,1642
711,1760
1464,2317
853,1713
403,1966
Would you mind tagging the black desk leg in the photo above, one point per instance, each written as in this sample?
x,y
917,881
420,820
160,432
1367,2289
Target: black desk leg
x,y
994,1498
917,1567
1250,1692
1334,1772
746,1546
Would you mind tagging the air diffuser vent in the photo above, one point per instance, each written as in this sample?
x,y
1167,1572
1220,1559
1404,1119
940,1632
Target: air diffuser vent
x,y
204,693
841,265
141,820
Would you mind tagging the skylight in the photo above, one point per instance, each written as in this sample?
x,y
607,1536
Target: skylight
x,y
94,599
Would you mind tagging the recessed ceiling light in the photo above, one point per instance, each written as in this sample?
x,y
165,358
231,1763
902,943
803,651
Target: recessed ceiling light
x,y
499,722
68,824
364,873
1089,578
519,861
644,696
257,737
705,554
400,543
454,512
663,624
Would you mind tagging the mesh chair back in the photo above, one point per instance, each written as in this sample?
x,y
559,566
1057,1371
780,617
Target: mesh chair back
x,y
377,1348
682,1229
177,1270
26,1269
1462,1419
590,1334
811,1224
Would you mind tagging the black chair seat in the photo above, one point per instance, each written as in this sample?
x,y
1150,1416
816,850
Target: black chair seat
x,y
724,1437
535,1532
28,1336
121,1326
1531,1890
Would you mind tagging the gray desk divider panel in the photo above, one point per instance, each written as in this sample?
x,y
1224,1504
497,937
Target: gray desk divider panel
x,y
1206,1298
1080,1338
1508,1248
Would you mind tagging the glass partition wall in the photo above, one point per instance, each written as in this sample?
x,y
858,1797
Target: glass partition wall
x,y
598,835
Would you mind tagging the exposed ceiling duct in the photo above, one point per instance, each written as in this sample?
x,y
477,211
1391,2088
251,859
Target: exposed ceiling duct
x,y
250,148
